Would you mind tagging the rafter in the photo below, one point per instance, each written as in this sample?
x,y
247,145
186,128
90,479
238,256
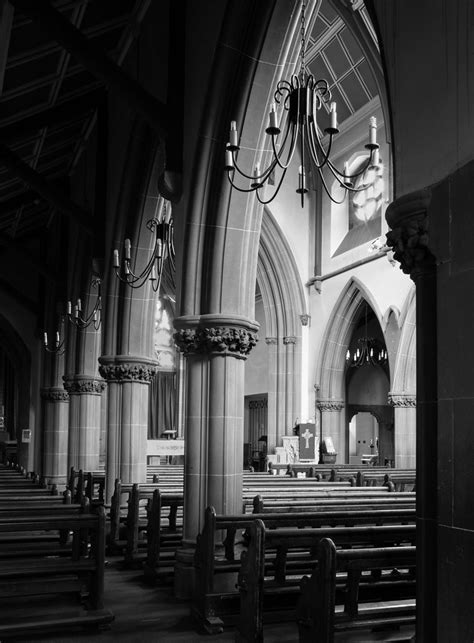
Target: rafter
x,y
45,188
95,61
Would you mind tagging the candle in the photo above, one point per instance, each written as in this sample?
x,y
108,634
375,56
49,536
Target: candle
x,y
256,172
373,131
69,307
45,338
76,312
127,248
229,161
273,117
233,134
346,170
95,315
116,259
57,338
333,116
79,304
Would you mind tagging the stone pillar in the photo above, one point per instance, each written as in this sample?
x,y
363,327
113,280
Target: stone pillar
x,y
404,405
290,414
128,380
409,239
332,424
55,434
84,421
273,439
213,459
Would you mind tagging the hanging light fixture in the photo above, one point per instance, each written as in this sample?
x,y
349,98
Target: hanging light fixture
x,y
94,317
163,253
368,351
58,347
302,97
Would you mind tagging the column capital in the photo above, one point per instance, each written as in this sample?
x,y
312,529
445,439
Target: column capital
x,y
289,340
330,405
215,335
409,234
402,399
83,385
305,319
127,368
271,341
54,394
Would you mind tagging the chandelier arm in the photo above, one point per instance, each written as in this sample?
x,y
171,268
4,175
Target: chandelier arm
x,y
314,148
262,201
236,187
323,181
355,174
294,140
253,177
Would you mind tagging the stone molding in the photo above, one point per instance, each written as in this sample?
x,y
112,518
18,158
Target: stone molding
x,y
82,385
409,234
221,340
271,341
330,405
289,340
406,400
125,368
54,394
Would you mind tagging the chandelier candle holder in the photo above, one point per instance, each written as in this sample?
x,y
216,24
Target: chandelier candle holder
x,y
163,251
58,348
94,317
301,97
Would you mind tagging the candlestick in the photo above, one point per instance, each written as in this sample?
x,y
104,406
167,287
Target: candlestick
x,y
127,246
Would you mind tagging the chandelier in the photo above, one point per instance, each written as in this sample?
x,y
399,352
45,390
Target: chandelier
x,y
163,253
94,317
58,346
301,98
368,351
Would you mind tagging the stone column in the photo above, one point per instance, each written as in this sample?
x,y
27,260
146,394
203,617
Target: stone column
x,y
273,439
290,414
409,239
213,459
128,380
332,424
55,434
84,421
404,405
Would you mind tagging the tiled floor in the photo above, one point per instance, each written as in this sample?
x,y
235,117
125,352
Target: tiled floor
x,y
145,614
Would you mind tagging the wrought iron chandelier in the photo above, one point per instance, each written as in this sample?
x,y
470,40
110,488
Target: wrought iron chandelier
x,y
94,317
301,97
58,347
163,253
368,351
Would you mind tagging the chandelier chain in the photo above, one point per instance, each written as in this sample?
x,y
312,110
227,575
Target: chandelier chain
x,y
303,39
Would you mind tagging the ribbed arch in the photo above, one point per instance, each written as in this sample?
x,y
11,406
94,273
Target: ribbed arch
x,y
404,378
331,363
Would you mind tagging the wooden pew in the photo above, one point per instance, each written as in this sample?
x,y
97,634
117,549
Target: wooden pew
x,y
358,501
81,575
318,620
212,560
87,483
268,592
161,542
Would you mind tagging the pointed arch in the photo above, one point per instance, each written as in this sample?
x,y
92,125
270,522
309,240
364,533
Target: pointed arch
x,y
404,375
332,359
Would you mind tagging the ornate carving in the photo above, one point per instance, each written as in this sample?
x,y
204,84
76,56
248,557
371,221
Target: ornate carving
x,y
409,237
77,385
54,394
402,400
128,372
330,405
289,340
271,341
305,319
224,340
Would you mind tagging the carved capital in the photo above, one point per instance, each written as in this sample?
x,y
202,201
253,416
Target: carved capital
x,y
289,340
330,405
54,394
123,368
223,340
409,236
271,341
82,385
402,400
305,319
